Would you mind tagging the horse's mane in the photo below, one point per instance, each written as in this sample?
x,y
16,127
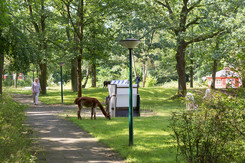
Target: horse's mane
x,y
77,100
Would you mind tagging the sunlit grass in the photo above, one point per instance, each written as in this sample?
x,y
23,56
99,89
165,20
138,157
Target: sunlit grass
x,y
152,137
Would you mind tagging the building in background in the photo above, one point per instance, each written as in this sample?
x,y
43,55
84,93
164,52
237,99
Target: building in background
x,y
225,79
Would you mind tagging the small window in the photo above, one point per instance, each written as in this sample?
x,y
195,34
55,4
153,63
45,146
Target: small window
x,y
218,81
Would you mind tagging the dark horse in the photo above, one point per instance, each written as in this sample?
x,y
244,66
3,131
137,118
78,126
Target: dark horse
x,y
90,102
106,83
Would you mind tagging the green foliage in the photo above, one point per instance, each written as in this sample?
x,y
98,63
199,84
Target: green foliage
x,y
20,83
7,83
150,81
24,83
213,133
14,142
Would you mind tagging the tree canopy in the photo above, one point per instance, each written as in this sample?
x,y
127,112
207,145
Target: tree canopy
x,y
178,38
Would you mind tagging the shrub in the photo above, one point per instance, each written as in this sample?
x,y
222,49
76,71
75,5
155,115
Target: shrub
x,y
21,83
213,133
8,83
171,84
14,144
24,83
150,81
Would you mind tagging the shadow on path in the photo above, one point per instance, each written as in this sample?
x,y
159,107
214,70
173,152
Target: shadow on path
x,y
61,141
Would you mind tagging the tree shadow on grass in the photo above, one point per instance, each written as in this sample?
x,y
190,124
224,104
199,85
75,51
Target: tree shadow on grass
x,y
152,137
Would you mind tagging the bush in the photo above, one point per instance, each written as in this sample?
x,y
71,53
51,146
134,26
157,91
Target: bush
x,y
171,84
24,83
14,141
7,83
150,81
213,133
21,83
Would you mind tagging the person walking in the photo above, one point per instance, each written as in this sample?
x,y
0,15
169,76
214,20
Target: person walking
x,y
137,80
36,90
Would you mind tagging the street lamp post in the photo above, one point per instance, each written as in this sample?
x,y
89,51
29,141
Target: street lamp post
x,y
130,44
61,64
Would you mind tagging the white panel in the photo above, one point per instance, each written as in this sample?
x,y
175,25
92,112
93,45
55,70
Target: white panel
x,y
122,91
134,100
123,101
125,91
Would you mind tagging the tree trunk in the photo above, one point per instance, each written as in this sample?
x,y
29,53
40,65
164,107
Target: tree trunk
x,y
40,26
243,82
16,79
1,72
79,77
93,74
214,73
191,74
145,69
180,66
215,65
43,77
87,75
79,35
74,75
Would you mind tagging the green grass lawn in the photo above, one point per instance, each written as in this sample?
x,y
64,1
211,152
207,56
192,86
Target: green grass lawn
x,y
152,136
152,139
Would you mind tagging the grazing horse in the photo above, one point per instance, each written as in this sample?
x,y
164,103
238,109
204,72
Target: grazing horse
x,y
106,83
90,102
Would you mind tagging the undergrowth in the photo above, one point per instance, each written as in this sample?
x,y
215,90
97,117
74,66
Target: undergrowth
x,y
14,141
215,131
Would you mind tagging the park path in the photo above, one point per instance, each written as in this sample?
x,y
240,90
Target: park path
x,y
59,140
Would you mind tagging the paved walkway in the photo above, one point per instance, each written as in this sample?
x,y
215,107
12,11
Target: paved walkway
x,y
60,141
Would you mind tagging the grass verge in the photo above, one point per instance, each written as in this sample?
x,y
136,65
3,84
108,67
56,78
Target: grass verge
x,y
15,143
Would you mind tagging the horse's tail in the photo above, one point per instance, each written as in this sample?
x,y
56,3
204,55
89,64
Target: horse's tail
x,y
103,110
77,100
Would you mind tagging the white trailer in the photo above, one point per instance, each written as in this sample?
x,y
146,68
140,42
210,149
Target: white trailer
x,y
118,99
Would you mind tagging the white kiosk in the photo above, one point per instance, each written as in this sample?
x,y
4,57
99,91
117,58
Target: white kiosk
x,y
118,99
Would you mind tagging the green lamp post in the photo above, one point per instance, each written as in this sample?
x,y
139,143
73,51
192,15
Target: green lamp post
x,y
61,64
130,44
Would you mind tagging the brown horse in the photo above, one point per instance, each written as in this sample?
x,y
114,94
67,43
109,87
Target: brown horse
x,y
90,102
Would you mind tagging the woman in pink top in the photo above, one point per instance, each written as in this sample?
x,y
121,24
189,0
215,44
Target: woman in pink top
x,y
36,90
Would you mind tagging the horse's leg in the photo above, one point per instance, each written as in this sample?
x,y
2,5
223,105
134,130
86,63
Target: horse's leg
x,y
92,112
79,111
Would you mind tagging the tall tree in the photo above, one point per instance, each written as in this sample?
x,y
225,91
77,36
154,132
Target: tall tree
x,y
4,21
77,21
19,50
182,15
66,40
38,13
82,15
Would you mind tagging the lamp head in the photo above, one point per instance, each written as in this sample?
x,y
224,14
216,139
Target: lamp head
x,y
61,63
130,43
